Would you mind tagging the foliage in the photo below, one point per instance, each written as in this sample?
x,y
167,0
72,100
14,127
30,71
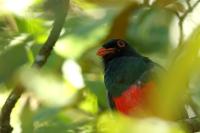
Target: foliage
x,y
68,93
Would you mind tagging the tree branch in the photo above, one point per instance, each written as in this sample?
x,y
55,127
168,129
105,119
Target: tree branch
x,y
182,18
40,60
188,4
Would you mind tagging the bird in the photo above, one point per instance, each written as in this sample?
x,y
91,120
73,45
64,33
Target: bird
x,y
129,78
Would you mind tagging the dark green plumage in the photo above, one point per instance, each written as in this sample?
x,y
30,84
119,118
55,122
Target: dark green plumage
x,y
124,71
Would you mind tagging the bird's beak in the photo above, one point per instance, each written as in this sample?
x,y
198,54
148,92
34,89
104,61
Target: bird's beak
x,y
103,51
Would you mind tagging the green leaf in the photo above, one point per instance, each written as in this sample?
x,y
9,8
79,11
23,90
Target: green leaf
x,y
117,123
98,88
57,120
46,87
10,61
34,26
150,36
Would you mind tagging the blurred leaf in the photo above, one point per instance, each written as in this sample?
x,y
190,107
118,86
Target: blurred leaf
x,y
73,74
17,7
150,36
88,22
57,120
87,59
52,7
121,22
80,38
174,94
176,7
34,26
89,104
10,61
164,2
4,40
46,87
115,123
54,63
98,88
27,118
194,86
103,3
7,31
50,120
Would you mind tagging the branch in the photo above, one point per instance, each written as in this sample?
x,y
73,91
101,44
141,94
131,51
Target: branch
x,y
40,60
188,4
164,3
182,18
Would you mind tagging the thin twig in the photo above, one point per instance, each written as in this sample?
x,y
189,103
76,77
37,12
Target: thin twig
x,y
182,18
188,4
40,60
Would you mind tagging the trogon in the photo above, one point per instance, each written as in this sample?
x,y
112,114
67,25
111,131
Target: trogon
x,y
129,76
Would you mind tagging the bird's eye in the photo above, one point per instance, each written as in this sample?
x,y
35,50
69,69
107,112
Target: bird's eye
x,y
121,43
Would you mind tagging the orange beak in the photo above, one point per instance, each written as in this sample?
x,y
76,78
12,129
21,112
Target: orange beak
x,y
103,51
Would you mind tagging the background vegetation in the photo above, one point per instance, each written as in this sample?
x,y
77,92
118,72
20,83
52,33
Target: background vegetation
x,y
67,95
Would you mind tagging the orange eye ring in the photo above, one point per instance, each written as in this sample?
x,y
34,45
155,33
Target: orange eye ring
x,y
121,43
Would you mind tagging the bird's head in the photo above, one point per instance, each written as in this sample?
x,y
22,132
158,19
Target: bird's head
x,y
115,48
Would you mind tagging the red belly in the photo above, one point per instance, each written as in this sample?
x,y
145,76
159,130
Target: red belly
x,y
133,98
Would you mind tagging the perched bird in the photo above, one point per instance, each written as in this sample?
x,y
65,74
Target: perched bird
x,y
130,79
128,76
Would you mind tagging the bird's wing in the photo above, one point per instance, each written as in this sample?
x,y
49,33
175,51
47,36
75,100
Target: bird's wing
x,y
110,100
123,72
153,73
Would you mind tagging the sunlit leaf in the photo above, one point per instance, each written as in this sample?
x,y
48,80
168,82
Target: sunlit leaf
x,y
89,104
33,26
17,7
48,88
72,73
115,123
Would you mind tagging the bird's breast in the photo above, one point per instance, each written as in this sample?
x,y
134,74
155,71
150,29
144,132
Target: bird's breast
x,y
134,98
